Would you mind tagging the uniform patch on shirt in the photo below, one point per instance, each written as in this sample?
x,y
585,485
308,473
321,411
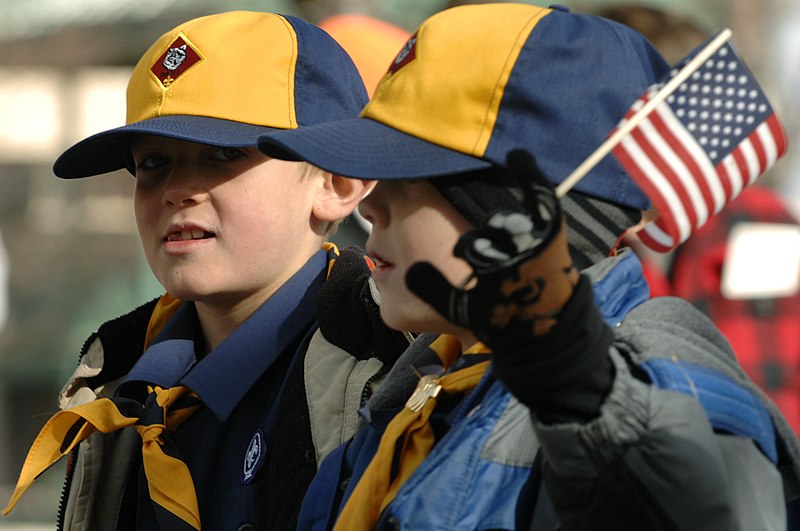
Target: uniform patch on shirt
x,y
253,457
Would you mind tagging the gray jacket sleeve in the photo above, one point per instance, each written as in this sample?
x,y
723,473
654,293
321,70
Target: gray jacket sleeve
x,y
650,459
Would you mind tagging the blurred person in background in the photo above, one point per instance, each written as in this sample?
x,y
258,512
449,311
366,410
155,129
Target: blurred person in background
x,y
371,43
758,311
742,269
214,403
762,326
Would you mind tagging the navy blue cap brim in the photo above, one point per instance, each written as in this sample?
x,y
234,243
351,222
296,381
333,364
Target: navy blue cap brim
x,y
108,151
366,149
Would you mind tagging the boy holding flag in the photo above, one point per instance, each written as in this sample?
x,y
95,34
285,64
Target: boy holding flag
x,y
545,390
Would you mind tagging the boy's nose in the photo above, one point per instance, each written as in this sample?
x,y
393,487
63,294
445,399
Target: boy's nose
x,y
374,207
368,209
182,188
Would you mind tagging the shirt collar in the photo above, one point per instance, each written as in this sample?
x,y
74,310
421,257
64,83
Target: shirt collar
x,y
226,374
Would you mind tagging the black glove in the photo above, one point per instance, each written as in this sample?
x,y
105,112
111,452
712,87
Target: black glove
x,y
350,318
522,271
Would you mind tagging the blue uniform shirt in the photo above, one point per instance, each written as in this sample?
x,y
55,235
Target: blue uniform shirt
x,y
226,443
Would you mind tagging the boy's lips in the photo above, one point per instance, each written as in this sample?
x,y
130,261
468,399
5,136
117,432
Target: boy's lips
x,y
183,238
381,264
184,235
187,232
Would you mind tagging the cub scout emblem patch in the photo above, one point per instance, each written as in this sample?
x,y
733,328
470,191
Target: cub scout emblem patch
x,y
179,57
253,457
407,54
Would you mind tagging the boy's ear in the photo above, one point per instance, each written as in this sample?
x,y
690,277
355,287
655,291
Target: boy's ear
x,y
339,196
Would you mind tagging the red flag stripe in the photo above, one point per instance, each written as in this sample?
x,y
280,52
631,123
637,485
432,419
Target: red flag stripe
x,y
726,181
622,153
770,134
648,187
768,143
741,166
674,153
656,238
676,177
760,153
658,188
702,174
751,160
777,133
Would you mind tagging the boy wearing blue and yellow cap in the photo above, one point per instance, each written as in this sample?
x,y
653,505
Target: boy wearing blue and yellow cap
x,y
213,404
546,391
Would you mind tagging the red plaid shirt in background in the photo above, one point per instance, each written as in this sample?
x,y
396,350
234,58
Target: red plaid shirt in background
x,y
765,333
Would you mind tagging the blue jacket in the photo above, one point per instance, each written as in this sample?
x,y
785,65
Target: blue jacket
x,y
685,427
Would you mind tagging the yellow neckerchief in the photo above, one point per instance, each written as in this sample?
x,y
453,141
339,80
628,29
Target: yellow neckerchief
x,y
169,481
168,478
410,428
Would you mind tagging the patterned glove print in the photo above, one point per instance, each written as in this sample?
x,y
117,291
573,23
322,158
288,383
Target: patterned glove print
x,y
522,271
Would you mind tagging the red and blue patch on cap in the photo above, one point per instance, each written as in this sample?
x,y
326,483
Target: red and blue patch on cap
x,y
406,54
179,57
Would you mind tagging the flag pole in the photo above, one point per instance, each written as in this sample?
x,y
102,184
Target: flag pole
x,y
612,141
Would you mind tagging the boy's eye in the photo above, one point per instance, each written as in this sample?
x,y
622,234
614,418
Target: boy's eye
x,y
227,153
150,162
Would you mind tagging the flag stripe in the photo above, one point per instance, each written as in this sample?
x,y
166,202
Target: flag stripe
x,y
676,178
769,144
655,186
656,238
768,141
683,173
726,181
700,146
741,166
751,161
760,152
777,133
703,175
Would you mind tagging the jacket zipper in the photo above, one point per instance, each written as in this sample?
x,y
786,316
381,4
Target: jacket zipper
x,y
73,456
365,390
62,501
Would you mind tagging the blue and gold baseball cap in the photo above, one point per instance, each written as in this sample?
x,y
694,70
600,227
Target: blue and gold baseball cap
x,y
225,79
475,82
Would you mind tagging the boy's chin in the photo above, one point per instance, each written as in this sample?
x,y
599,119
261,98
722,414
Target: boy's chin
x,y
189,291
413,316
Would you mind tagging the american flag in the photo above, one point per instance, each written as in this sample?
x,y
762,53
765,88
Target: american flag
x,y
699,148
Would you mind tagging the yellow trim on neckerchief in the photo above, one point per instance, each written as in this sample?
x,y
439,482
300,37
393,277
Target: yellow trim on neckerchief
x,y
67,428
168,478
165,308
328,247
410,428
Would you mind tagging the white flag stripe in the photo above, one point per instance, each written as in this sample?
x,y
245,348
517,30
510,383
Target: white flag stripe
x,y
768,141
655,233
700,157
706,134
751,159
734,174
646,166
678,167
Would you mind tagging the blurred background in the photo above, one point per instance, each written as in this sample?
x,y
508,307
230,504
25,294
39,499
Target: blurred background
x,y
69,253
